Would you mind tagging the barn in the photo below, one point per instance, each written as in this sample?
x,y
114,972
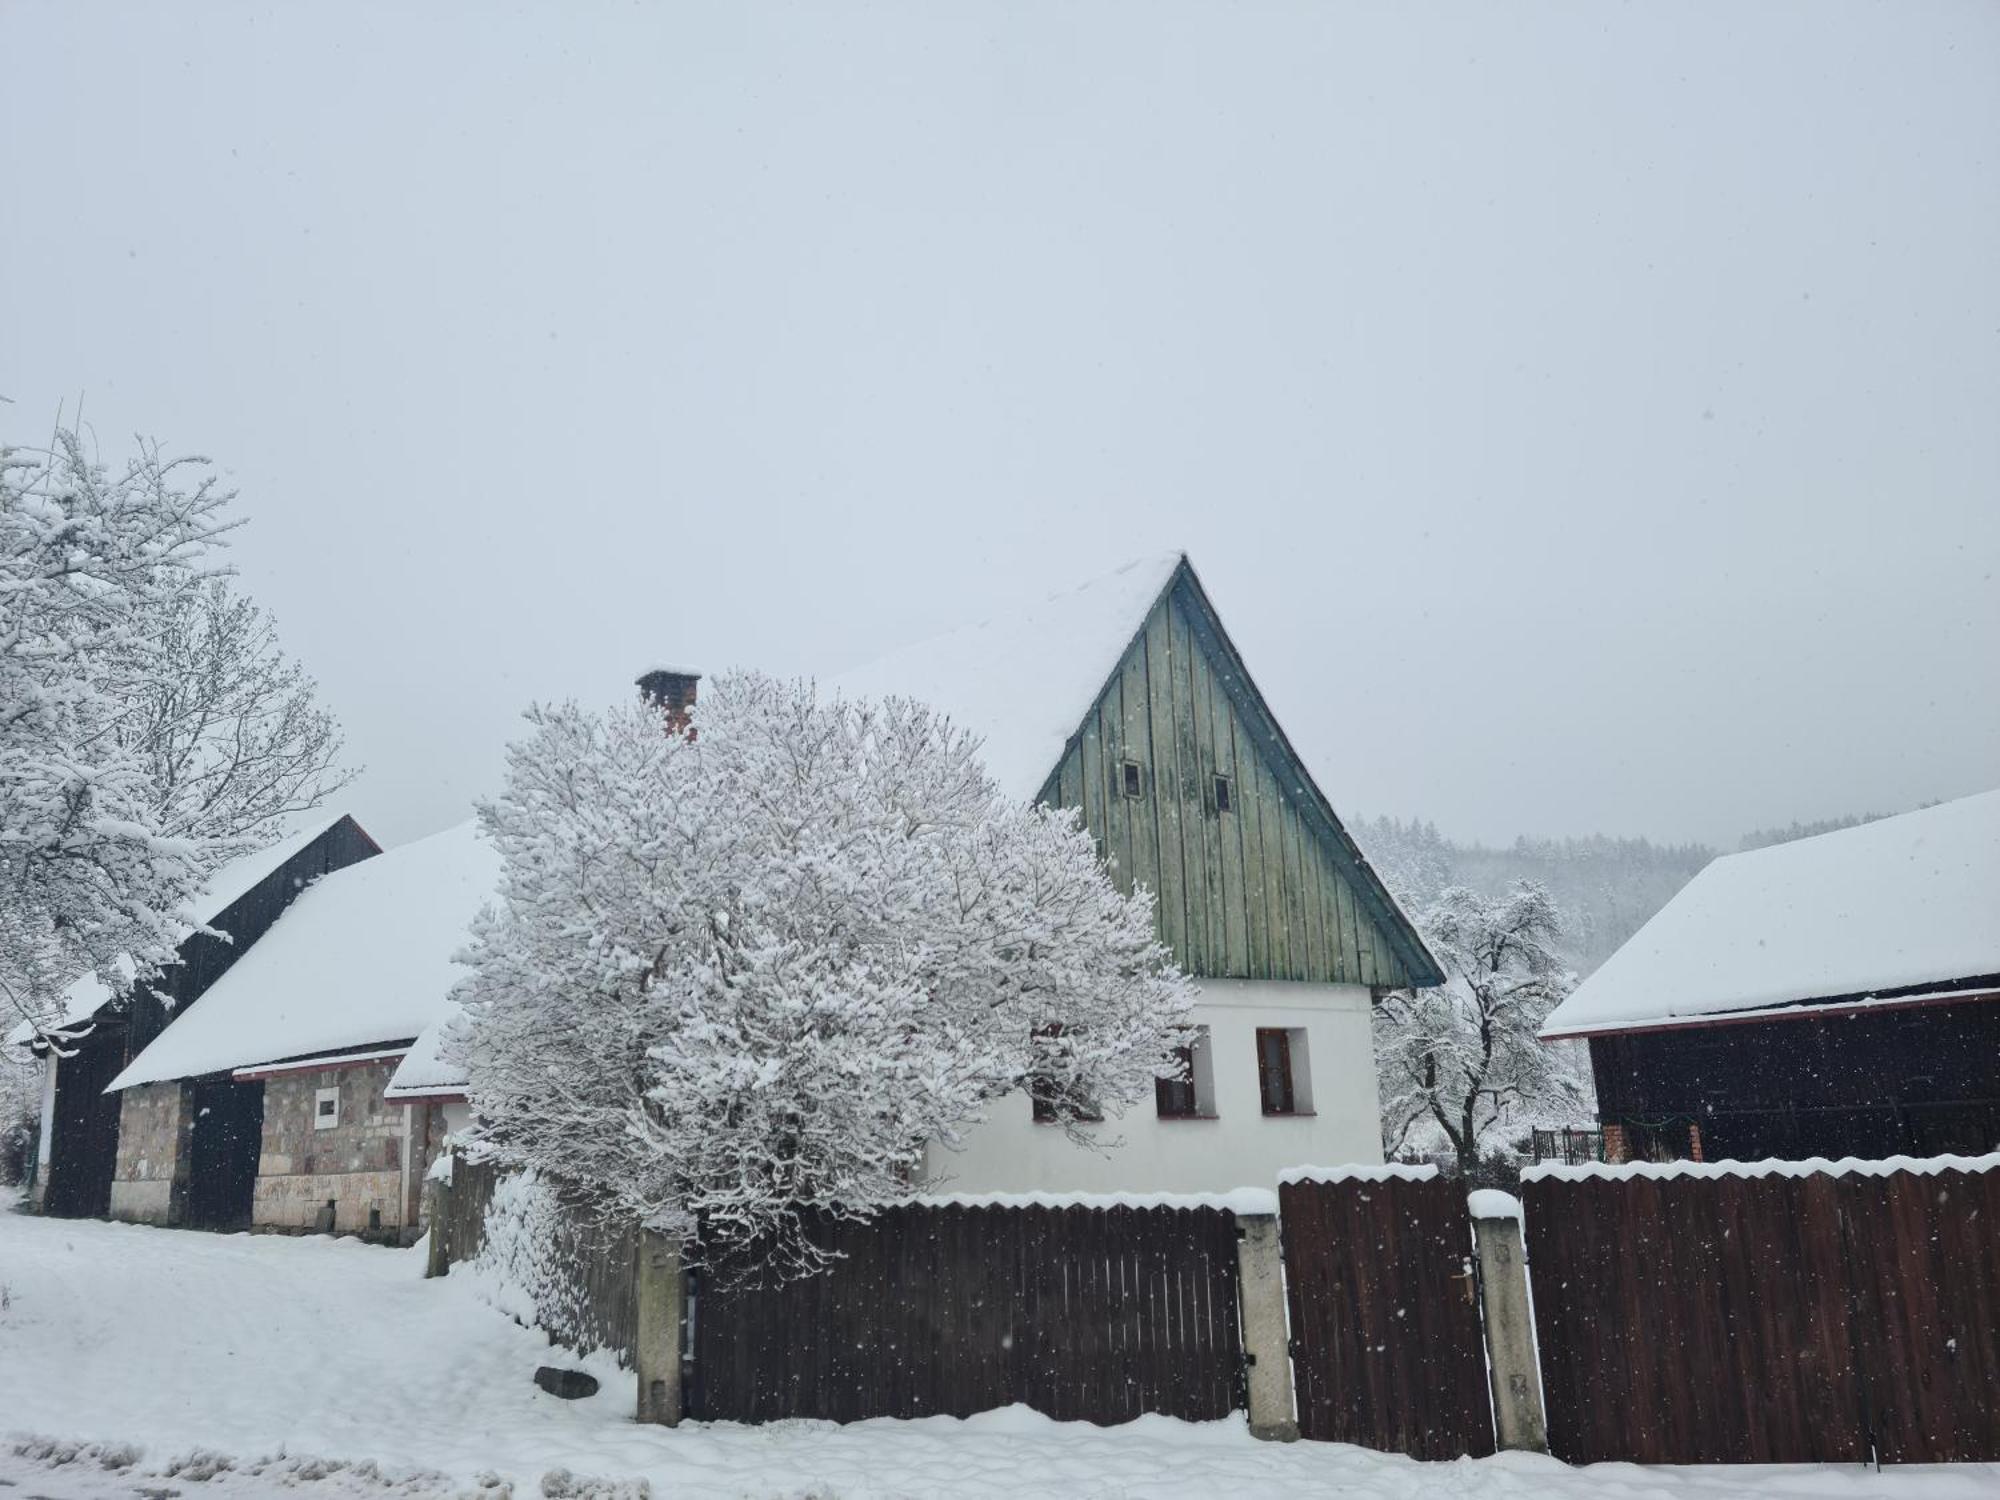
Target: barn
x,y
88,1166
304,1035
1834,996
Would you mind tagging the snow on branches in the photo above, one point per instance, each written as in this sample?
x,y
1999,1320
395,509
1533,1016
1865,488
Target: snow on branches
x,y
1461,1062
150,728
230,729
742,975
91,564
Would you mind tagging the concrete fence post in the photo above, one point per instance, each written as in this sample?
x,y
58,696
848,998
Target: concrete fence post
x,y
437,1252
1510,1329
1261,1282
662,1296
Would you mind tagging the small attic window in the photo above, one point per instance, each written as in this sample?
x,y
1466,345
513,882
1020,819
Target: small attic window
x,y
1222,794
1135,779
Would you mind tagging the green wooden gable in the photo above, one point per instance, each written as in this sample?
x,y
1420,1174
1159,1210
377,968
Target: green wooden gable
x,y
1191,789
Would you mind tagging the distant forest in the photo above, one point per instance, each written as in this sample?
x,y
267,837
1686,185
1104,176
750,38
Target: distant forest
x,y
1607,887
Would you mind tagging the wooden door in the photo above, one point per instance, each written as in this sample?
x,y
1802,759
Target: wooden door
x,y
1386,1344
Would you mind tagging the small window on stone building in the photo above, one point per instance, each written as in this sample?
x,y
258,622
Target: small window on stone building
x,y
1222,794
326,1108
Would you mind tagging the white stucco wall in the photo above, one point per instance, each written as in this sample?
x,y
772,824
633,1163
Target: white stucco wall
x,y
1240,1147
48,1136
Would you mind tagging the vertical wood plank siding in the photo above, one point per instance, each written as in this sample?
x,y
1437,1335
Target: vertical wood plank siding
x,y
1265,890
1769,1319
1386,1344
1085,1314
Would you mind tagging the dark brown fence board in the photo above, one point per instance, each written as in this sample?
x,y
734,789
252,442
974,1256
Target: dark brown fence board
x,y
1769,1318
1387,1348
1924,1253
947,1309
1647,1291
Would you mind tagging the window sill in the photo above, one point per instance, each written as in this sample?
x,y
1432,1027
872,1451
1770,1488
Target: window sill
x,y
1291,1114
1187,1119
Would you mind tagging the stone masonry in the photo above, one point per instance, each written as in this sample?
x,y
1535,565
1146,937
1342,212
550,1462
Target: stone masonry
x,y
355,1165
150,1183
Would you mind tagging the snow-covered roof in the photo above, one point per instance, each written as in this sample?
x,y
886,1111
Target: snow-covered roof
x,y
87,994
363,957
1024,679
423,1074
1892,905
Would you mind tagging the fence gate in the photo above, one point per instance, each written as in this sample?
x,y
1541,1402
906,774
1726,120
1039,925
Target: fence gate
x,y
1090,1314
1386,1343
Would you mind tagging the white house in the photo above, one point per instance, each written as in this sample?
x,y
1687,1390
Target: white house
x,y
1125,699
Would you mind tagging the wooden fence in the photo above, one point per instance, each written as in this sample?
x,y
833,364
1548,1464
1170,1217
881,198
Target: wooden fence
x,y
1386,1347
1097,1314
1719,1317
1684,1315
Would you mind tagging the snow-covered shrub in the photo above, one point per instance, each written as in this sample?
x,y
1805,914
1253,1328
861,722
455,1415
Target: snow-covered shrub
x,y
520,1267
199,1465
754,970
20,1113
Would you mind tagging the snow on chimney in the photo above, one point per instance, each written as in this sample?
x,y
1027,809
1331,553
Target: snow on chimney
x,y
671,690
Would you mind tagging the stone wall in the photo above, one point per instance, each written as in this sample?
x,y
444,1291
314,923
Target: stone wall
x,y
150,1183
355,1165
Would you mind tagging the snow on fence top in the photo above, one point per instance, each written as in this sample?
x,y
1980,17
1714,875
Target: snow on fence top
x,y
1491,1203
1353,1172
1892,905
1636,1171
1243,1200
1024,679
364,957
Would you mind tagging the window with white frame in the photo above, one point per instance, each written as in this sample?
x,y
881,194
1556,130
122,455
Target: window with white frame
x,y
326,1108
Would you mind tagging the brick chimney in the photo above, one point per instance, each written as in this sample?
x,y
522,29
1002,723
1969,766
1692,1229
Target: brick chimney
x,y
671,690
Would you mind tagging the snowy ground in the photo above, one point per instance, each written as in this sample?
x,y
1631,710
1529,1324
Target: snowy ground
x,y
140,1362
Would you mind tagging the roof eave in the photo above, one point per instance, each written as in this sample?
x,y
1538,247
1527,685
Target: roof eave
x,y
1798,1010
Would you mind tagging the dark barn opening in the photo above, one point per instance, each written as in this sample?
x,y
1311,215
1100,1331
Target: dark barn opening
x,y
83,1154
223,1145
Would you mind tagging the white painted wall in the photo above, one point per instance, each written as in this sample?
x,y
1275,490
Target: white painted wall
x,y
48,1136
1240,1147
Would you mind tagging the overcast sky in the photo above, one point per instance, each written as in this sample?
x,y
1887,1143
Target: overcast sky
x,y
1586,417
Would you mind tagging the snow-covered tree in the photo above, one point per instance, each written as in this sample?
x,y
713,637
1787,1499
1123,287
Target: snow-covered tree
x,y
92,563
1413,858
1459,1065
748,972
230,729
150,729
